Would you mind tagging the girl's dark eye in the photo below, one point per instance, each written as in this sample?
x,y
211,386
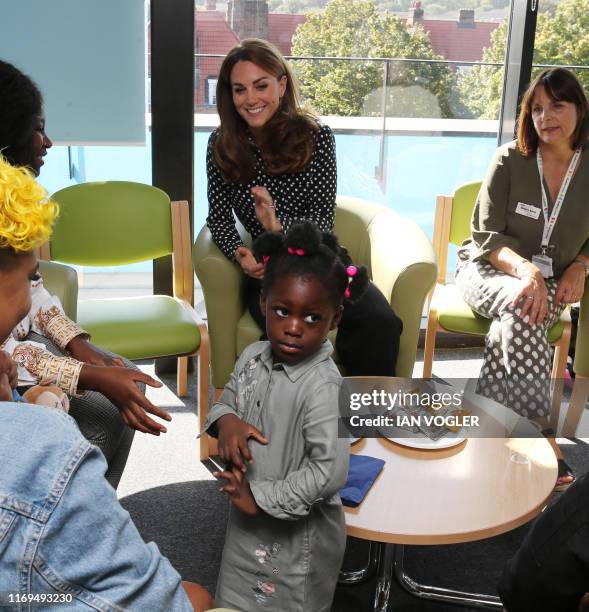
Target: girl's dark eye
x,y
35,277
281,312
312,318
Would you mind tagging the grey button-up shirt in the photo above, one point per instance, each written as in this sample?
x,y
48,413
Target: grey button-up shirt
x,y
287,558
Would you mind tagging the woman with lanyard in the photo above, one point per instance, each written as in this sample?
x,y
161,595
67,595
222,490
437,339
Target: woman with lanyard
x,y
528,254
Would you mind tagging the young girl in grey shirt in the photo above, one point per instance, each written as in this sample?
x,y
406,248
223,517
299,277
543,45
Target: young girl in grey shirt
x,y
277,424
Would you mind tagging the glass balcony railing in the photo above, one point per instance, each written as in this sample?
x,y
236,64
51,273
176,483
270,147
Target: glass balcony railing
x,y
405,143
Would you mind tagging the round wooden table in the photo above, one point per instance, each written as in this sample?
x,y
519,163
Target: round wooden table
x,y
478,489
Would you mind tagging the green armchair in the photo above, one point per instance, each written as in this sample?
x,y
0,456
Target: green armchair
x,y
399,257
62,281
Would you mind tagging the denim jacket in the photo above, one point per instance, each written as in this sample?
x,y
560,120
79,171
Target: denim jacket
x,y
63,534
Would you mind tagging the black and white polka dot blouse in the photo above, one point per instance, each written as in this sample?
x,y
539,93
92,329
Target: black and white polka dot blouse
x,y
306,195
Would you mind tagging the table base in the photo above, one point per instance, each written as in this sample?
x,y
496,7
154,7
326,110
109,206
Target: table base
x,y
387,560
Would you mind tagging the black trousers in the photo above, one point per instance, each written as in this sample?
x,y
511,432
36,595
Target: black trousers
x,y
550,571
367,341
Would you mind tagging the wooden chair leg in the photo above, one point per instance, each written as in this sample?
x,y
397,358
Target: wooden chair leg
x,y
430,343
578,401
203,390
561,352
182,376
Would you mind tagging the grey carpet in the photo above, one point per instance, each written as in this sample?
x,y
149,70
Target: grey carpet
x,y
187,521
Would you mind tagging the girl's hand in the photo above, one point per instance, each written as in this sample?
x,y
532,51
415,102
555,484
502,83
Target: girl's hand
x,y
8,366
245,258
83,350
118,384
571,285
265,209
233,436
532,296
238,490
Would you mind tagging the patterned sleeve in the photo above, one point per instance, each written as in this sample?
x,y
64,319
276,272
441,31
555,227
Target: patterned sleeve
x,y
37,365
48,319
220,220
320,205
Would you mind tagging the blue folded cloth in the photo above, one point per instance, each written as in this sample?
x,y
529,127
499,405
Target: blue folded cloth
x,y
16,396
362,473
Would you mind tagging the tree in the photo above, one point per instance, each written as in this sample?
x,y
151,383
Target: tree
x,y
354,28
562,37
480,86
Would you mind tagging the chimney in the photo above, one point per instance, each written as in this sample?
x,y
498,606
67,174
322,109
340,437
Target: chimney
x,y
248,18
415,13
466,18
211,5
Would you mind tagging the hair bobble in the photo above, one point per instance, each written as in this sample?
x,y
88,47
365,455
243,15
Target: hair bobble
x,y
265,258
351,271
293,251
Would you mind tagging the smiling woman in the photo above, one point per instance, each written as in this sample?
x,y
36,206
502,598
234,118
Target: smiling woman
x,y
271,163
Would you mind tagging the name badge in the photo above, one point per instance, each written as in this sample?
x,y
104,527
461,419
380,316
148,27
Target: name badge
x,y
527,210
544,264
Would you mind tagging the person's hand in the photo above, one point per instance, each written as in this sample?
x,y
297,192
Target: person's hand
x,y
532,297
245,258
200,598
233,436
118,384
10,369
5,388
83,350
265,209
571,284
238,490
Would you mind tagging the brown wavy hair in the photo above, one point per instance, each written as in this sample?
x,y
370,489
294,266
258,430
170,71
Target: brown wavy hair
x,y
287,141
560,84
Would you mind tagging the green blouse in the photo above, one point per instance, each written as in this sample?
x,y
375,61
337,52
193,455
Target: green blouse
x,y
496,221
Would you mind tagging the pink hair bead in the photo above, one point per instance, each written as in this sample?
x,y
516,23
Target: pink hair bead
x,y
351,270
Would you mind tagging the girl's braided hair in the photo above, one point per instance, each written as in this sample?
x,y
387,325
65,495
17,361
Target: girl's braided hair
x,y
305,251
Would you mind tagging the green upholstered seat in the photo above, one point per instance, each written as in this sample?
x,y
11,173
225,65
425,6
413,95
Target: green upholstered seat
x,y
397,253
399,258
154,326
112,223
454,315
447,310
62,281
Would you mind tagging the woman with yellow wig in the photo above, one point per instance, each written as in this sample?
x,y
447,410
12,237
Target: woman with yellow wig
x,y
50,348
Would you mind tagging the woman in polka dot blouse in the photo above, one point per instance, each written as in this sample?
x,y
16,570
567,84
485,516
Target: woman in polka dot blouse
x,y
272,163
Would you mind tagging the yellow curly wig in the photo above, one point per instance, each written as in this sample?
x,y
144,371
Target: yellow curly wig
x,y
26,212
